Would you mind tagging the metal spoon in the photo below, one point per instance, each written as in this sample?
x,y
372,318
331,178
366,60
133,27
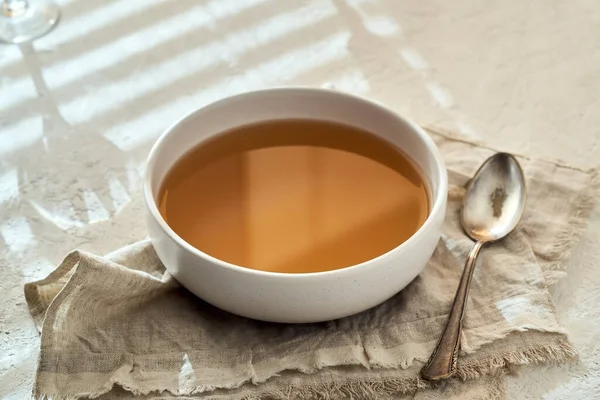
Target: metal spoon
x,y
491,209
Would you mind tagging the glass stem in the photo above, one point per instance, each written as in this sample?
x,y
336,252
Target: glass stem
x,y
14,8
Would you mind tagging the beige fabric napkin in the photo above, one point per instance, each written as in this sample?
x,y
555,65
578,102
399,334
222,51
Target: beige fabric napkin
x,y
119,326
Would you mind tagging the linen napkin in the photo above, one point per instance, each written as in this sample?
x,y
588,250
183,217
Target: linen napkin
x,y
119,326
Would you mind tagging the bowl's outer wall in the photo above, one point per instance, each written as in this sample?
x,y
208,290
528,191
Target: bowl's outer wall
x,y
295,298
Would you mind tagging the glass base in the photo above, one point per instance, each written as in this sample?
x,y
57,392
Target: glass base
x,y
36,20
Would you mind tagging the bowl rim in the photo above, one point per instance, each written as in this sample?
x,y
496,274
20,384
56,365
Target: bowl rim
x,y
438,201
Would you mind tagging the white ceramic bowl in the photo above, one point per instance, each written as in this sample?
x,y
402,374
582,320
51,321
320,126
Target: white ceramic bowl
x,y
294,298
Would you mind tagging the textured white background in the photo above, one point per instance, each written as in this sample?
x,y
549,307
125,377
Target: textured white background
x,y
80,108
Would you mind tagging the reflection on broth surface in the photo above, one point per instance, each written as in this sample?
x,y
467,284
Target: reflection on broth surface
x,y
294,196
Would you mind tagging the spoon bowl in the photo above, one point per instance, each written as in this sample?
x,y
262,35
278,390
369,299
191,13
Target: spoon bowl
x,y
495,199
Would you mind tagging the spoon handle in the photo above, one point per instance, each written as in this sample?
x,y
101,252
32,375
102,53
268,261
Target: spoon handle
x,y
442,363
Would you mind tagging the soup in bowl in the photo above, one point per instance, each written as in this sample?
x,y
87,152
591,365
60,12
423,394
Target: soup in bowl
x,y
294,204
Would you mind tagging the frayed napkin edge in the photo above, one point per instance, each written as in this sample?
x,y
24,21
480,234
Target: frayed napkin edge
x,y
495,367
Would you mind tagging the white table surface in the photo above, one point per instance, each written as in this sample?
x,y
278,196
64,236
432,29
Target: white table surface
x,y
80,108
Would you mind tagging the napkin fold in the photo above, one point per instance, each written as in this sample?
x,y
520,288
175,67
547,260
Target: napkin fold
x,y
121,327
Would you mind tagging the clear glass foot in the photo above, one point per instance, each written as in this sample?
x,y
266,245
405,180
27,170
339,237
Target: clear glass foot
x,y
21,21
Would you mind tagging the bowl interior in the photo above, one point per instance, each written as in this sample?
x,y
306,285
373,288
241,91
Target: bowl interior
x,y
293,103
